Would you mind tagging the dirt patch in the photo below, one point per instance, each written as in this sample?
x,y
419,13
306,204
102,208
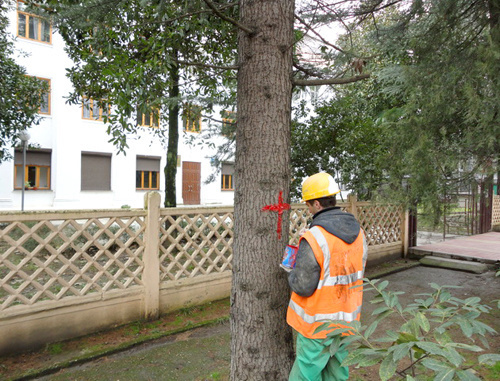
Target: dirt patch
x,y
157,351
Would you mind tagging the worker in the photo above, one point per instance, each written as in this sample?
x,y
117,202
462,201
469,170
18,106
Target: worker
x,y
330,260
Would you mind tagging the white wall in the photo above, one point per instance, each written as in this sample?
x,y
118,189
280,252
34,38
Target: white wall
x,y
67,135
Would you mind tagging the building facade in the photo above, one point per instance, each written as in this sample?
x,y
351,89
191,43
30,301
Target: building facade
x,y
70,164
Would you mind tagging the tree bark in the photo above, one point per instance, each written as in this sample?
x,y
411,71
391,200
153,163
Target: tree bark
x,y
173,141
261,341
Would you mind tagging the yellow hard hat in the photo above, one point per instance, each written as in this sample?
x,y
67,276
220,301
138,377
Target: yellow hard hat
x,y
318,186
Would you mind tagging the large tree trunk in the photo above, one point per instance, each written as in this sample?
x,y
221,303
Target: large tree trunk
x,y
261,341
173,140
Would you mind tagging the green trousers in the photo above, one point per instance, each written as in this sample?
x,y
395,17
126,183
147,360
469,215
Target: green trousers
x,y
314,363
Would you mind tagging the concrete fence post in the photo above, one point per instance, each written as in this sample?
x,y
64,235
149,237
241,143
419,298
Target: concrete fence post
x,y
353,200
151,273
405,231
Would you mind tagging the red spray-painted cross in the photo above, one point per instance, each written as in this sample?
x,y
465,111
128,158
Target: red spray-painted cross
x,y
279,207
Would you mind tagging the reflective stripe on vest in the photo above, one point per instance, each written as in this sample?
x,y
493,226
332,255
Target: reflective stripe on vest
x,y
340,315
329,280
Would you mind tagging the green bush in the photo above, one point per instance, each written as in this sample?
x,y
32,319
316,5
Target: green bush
x,y
423,344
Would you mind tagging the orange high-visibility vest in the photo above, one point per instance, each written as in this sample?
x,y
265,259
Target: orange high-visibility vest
x,y
342,267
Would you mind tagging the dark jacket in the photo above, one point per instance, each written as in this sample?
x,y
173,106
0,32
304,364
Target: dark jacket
x,y
304,278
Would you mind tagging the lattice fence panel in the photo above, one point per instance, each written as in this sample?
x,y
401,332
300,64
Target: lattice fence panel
x,y
495,219
299,219
51,259
195,244
381,223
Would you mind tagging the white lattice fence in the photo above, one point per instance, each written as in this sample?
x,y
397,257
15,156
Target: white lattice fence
x,y
51,256
495,218
382,223
195,242
77,272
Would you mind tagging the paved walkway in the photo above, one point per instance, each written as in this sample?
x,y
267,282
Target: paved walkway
x,y
481,247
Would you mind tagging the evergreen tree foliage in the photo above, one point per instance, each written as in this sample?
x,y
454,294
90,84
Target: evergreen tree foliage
x,y
429,117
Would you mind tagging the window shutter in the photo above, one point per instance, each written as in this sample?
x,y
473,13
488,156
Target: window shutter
x,y
96,171
148,163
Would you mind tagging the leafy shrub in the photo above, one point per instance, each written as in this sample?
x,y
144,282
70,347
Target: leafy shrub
x,y
423,344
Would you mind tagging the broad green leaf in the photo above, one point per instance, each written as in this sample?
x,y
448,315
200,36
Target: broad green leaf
x,y
431,348
435,286
379,310
322,327
472,300
347,340
484,342
472,348
442,338
410,309
428,302
453,356
387,368
371,329
489,358
435,365
370,360
383,315
338,332
444,296
481,327
466,375
401,350
377,300
445,376
334,347
466,327
405,337
383,285
411,327
422,321
353,358
451,286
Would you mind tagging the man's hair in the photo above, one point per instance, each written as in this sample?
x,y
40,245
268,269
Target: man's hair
x,y
327,202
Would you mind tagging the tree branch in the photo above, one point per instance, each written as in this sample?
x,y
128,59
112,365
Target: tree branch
x,y
305,70
329,81
309,27
228,19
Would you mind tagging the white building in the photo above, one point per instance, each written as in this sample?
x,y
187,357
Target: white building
x,y
74,166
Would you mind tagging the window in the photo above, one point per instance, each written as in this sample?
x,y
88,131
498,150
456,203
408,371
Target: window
x,y
36,172
228,123
147,174
45,97
151,119
31,26
94,110
227,182
191,118
96,171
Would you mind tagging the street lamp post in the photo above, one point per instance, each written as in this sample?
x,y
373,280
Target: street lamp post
x,y
25,137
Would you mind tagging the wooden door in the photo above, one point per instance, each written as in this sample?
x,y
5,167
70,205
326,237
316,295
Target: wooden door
x,y
191,181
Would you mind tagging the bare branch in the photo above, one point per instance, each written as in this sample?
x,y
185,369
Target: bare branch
x,y
307,71
309,27
329,81
228,19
